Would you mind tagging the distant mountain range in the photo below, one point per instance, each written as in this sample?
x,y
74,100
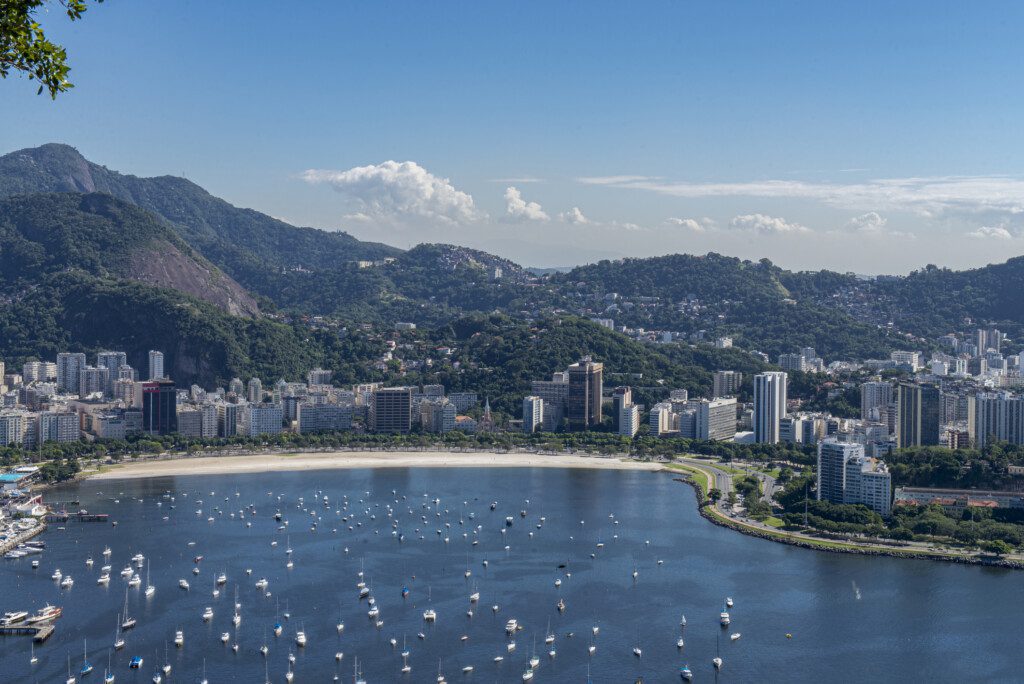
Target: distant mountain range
x,y
91,258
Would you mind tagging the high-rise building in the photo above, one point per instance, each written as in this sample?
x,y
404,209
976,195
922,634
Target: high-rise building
x,y
255,391
661,419
391,410
319,376
792,362
715,419
629,420
156,365
58,426
910,359
112,361
261,419
323,417
726,383
917,415
533,414
585,394
989,338
228,419
873,396
769,406
69,369
236,387
38,371
621,398
159,407
995,418
846,476
190,422
92,380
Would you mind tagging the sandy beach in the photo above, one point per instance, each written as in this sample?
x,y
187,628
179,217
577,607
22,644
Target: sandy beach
x,y
261,463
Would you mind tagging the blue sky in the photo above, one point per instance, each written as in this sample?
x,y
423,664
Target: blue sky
x,y
849,135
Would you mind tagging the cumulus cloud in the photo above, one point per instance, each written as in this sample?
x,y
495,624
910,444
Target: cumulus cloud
x,y
399,189
693,225
991,232
927,196
518,209
870,222
769,225
574,216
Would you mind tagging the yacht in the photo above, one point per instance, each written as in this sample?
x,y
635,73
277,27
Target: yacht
x,y
135,581
179,638
127,571
208,614
734,636
686,673
511,626
429,615
225,637
300,638
222,578
103,579
183,583
728,601
528,675
723,618
67,582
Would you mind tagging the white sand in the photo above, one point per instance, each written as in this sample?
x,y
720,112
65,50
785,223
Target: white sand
x,y
259,463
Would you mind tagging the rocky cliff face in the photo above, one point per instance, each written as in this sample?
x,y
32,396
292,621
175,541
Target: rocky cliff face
x,y
164,265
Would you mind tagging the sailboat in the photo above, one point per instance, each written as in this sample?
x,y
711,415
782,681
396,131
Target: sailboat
x,y
86,665
534,660
204,679
118,639
150,589
636,649
127,622
717,660
406,668
71,679
108,674
32,660
167,661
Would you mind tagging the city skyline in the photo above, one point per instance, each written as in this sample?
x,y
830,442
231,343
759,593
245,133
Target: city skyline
x,y
818,137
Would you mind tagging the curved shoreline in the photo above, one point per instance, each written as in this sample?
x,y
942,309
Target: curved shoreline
x,y
837,547
340,460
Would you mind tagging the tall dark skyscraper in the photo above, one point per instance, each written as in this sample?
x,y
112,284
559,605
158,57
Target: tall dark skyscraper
x,y
159,407
392,410
917,415
586,385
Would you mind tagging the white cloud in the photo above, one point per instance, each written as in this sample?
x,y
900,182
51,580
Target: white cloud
x,y
518,209
694,225
767,224
993,232
574,216
870,222
926,196
399,189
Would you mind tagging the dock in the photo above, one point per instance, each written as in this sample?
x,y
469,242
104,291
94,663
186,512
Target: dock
x,y
22,538
39,633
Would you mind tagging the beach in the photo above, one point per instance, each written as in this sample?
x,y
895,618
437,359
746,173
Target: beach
x,y
261,463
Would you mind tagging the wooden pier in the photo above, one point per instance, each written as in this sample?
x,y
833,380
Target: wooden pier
x,y
39,633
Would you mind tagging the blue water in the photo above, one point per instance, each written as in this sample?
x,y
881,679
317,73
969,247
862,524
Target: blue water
x,y
850,617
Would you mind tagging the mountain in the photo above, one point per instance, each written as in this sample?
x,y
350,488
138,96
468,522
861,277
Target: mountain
x,y
244,243
714,296
49,233
87,272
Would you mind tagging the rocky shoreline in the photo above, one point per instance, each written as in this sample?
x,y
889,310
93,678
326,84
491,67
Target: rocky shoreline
x,y
702,509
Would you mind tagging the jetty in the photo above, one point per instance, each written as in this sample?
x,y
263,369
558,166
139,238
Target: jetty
x,y
39,633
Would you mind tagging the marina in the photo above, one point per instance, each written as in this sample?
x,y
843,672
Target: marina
x,y
413,573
